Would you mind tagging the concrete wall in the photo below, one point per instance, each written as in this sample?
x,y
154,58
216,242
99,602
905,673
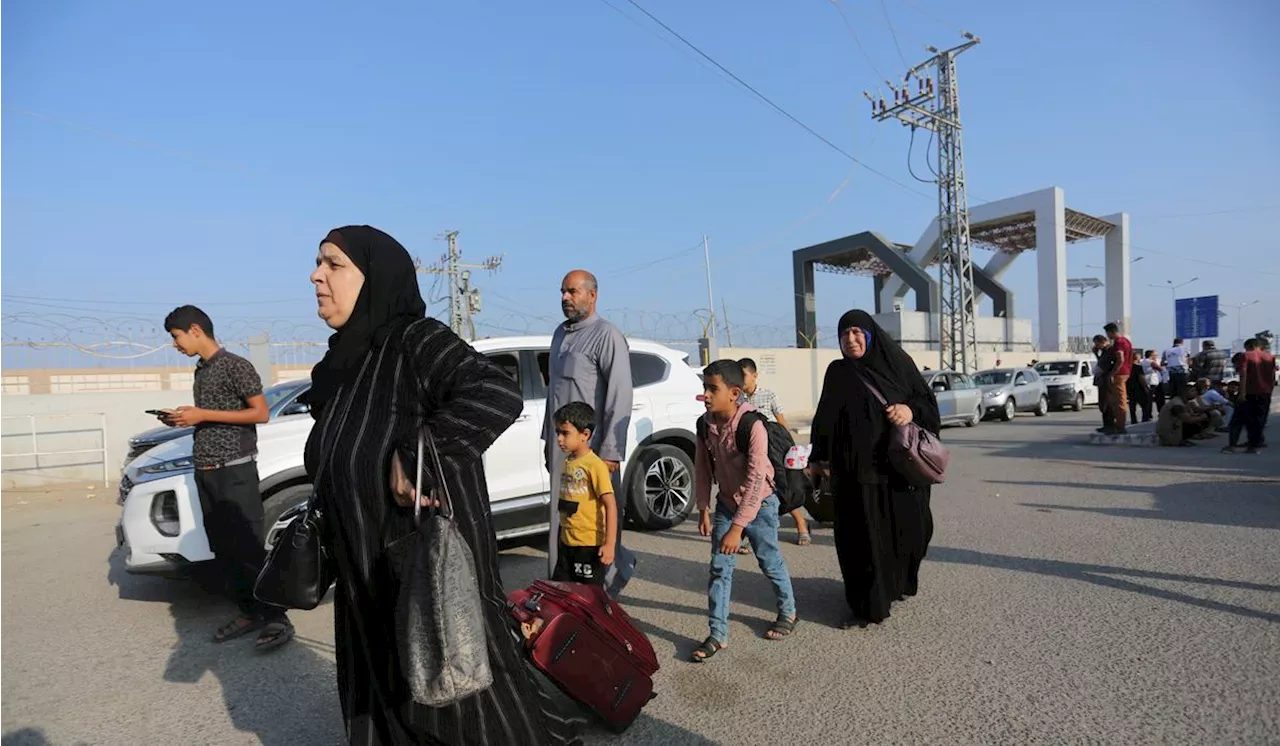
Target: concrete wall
x,y
96,380
918,332
124,415
795,375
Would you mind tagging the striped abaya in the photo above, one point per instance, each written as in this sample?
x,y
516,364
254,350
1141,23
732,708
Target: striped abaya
x,y
467,403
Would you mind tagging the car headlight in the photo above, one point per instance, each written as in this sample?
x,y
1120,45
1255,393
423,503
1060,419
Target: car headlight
x,y
172,466
992,394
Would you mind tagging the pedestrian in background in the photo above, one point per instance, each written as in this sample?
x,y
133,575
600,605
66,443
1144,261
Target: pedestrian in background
x,y
1118,389
1153,371
883,523
1257,382
590,362
1175,361
1104,362
1211,363
766,403
1139,391
229,406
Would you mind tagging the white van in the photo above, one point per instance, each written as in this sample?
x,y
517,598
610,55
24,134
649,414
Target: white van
x,y
1070,382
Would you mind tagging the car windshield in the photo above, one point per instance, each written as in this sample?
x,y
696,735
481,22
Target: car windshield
x,y
280,393
1060,368
993,378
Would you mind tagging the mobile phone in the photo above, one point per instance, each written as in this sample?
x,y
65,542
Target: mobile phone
x,y
157,413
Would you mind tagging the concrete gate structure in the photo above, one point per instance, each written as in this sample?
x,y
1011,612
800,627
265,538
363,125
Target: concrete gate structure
x,y
1038,221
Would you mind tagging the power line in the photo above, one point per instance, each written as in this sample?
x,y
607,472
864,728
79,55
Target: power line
x,y
754,91
138,142
911,149
1251,270
894,32
857,39
665,40
660,260
1232,211
950,26
143,302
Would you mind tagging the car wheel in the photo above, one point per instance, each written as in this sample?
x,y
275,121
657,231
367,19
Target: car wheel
x,y
1078,404
1010,409
1043,407
276,506
659,488
976,418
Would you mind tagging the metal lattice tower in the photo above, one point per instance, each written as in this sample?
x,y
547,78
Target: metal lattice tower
x,y
464,300
935,105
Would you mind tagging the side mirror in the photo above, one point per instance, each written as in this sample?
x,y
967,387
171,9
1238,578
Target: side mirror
x,y
295,408
939,387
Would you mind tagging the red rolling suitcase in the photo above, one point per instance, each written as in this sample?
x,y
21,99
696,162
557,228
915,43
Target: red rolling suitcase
x,y
583,641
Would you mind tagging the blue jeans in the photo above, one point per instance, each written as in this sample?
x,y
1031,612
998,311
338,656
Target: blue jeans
x,y
763,535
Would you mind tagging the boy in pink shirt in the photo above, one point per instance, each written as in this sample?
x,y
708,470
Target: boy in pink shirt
x,y
746,504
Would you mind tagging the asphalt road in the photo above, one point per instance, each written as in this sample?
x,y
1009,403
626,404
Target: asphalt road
x,y
1073,593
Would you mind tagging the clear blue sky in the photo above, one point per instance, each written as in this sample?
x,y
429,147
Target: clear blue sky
x,y
156,153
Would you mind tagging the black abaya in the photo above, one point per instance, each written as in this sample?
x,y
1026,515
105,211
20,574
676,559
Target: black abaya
x,y
467,403
883,525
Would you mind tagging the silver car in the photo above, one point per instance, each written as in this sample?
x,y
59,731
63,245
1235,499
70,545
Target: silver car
x,y
1007,391
959,398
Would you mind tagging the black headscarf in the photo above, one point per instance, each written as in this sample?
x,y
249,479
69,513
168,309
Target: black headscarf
x,y
388,303
850,426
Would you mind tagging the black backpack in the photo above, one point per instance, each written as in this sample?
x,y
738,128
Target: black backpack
x,y
791,484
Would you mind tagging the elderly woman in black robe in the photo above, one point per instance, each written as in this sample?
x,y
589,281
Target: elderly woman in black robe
x,y
883,524
390,370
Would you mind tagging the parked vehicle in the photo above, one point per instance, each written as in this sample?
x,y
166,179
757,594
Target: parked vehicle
x,y
959,398
282,401
161,523
1069,382
1007,391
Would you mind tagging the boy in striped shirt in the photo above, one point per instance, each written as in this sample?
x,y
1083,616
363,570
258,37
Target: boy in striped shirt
x,y
766,403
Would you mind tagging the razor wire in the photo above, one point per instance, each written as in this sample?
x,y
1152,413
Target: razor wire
x,y
67,340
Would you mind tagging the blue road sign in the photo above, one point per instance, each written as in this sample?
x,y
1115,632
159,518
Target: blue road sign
x,y
1196,318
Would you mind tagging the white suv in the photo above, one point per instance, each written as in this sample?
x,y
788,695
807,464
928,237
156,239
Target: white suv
x,y
162,529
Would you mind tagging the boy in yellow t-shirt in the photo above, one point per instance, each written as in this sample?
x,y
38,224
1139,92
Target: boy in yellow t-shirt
x,y
588,511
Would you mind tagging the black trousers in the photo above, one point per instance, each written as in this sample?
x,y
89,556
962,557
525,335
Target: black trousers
x,y
1256,409
1157,395
1139,396
1177,380
232,507
1104,405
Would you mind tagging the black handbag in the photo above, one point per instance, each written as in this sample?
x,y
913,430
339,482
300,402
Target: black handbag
x,y
298,571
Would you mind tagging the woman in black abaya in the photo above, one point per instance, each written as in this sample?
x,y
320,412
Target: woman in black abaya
x,y
388,371
883,525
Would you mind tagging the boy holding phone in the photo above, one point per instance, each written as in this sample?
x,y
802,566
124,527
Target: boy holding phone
x,y
229,404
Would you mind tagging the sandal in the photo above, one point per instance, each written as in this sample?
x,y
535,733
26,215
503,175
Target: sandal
x,y
233,629
781,628
706,650
804,539
274,634
744,548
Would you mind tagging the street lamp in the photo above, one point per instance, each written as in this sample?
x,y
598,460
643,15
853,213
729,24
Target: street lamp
x,y
1082,285
1240,315
1173,294
1134,260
